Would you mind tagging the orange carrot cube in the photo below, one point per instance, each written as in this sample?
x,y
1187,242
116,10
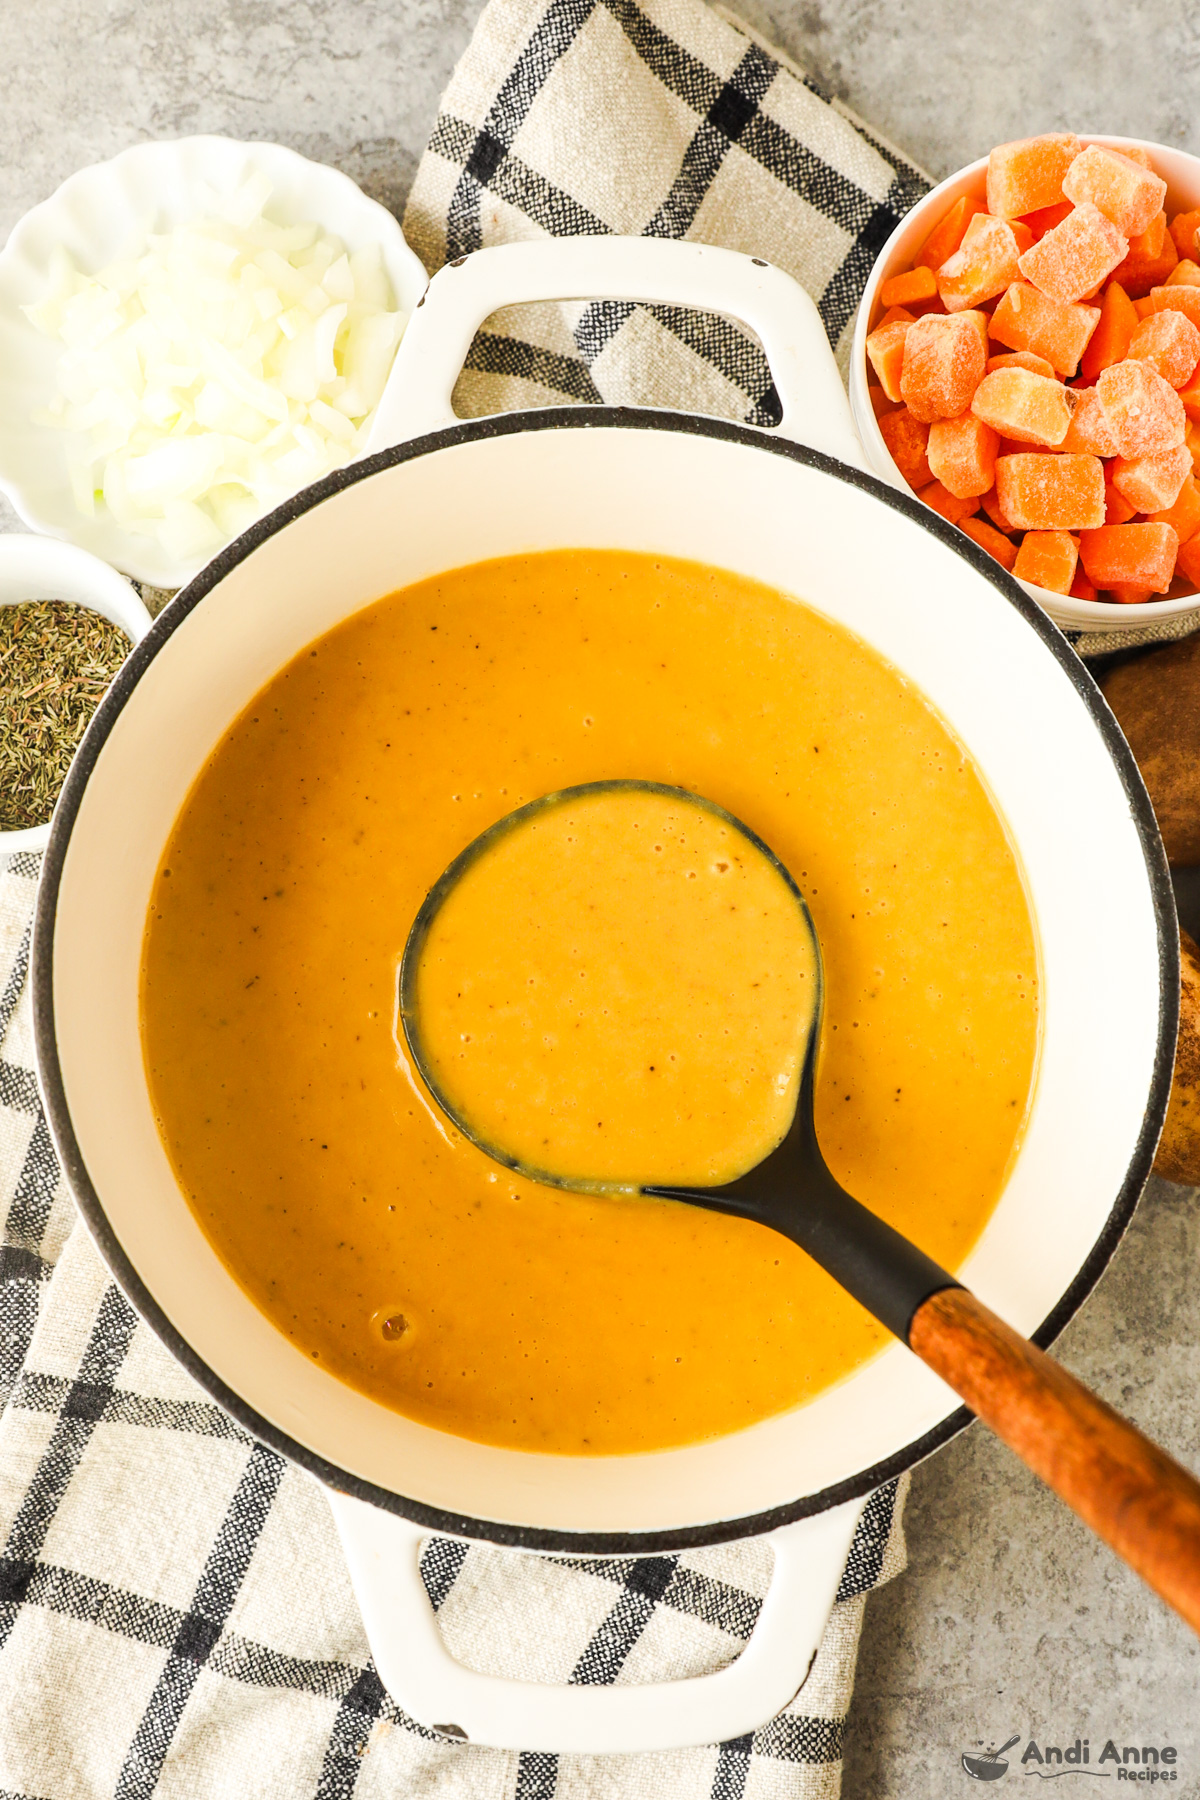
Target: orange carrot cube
x,y
1047,559
1189,396
1186,273
1048,492
1027,319
991,540
943,363
913,284
1188,561
1117,509
885,347
1143,307
948,233
1184,515
1024,176
1029,408
1126,194
1081,588
1020,359
962,455
1074,258
983,265
1170,343
1152,483
1045,219
1090,433
1144,411
1148,263
1183,232
949,505
906,439
1141,556
1110,341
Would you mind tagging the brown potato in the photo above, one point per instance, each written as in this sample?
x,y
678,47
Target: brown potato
x,y
1178,1157
1157,703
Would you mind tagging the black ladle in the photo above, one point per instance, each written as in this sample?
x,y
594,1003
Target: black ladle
x,y
1134,1496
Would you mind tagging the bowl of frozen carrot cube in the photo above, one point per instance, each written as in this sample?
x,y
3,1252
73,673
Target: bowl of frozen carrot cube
x,y
1027,360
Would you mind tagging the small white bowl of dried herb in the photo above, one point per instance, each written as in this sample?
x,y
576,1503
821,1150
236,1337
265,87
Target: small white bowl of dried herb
x,y
67,623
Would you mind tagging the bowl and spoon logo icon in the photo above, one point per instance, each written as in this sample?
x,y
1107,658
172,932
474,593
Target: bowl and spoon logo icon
x,y
989,1765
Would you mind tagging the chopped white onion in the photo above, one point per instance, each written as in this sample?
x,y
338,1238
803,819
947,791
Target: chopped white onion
x,y
208,379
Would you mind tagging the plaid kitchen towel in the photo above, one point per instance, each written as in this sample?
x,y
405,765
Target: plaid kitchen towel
x,y
175,1614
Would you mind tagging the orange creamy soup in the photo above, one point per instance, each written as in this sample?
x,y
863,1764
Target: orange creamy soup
x,y
382,1242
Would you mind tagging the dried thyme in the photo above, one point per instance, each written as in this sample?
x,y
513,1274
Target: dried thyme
x,y
56,660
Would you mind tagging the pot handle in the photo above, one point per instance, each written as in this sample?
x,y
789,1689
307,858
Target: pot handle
x,y
462,295
383,1552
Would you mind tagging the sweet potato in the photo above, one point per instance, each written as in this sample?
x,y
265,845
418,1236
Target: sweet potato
x,y
1178,1157
1157,704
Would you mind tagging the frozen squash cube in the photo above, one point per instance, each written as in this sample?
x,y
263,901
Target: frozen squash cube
x,y
1192,440
1152,483
1024,176
949,505
1125,593
1074,258
1047,559
906,439
1186,273
944,359
991,540
1037,224
1151,259
1127,194
983,265
1190,396
1048,492
1170,343
995,512
1183,232
1117,509
1110,341
885,347
1090,433
962,455
1028,408
912,286
1144,411
949,232
1184,515
1081,588
1140,556
1020,359
1027,319
1187,562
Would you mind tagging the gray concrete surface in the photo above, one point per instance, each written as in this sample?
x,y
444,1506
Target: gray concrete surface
x,y
1010,1619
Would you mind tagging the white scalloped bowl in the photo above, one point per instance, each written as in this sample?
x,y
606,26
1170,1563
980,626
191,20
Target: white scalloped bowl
x,y
96,214
1181,172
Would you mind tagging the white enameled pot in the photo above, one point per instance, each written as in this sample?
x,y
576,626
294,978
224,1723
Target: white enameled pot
x,y
793,508
1181,172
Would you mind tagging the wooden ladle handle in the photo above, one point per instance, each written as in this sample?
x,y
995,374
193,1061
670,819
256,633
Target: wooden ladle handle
x,y
1138,1499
